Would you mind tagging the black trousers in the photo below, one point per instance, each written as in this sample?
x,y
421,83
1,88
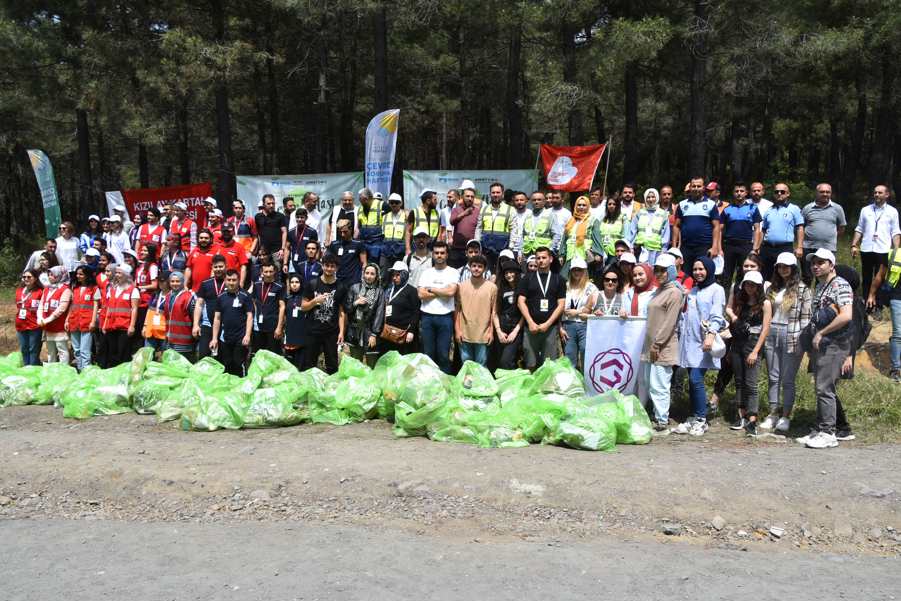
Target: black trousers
x,y
203,345
509,353
734,253
869,265
691,253
233,356
115,348
768,255
266,341
325,343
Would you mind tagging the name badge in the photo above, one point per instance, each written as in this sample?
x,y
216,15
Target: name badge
x,y
340,252
54,303
260,318
544,304
296,312
271,294
35,304
296,257
388,310
87,296
157,320
236,303
23,314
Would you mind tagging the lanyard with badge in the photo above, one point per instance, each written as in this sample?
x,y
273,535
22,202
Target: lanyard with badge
x,y
23,312
543,304
391,296
264,294
878,217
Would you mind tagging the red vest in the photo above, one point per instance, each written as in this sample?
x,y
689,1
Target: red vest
x,y
102,285
183,228
81,308
29,302
50,300
142,278
179,319
151,233
118,309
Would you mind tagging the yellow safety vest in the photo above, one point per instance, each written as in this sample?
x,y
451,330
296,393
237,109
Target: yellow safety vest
x,y
894,267
393,226
371,219
649,234
496,221
431,221
536,232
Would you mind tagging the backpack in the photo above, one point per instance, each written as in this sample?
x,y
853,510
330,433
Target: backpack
x,y
860,323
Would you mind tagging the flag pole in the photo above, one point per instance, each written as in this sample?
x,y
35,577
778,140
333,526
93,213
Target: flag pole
x,y
537,158
606,168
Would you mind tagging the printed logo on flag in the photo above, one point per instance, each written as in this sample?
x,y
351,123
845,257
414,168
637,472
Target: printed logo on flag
x,y
562,172
611,369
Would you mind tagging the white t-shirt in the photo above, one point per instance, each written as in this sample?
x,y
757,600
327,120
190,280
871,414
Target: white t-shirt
x,y
577,299
779,316
876,226
68,252
763,206
439,278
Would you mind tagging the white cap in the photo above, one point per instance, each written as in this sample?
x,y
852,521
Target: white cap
x,y
119,208
395,196
426,191
216,212
628,258
399,266
578,263
665,260
506,253
530,258
130,251
474,242
420,230
624,242
753,276
115,219
94,217
675,252
181,205
467,183
92,252
822,253
211,201
124,268
105,218
786,259
378,196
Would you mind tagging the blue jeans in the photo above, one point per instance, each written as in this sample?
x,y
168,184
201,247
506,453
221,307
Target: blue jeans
x,y
697,393
575,344
895,340
30,346
474,351
436,332
81,345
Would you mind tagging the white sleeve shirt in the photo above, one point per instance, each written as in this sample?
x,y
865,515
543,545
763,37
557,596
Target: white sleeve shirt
x,y
877,227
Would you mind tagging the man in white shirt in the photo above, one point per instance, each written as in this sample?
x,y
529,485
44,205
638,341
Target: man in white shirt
x,y
127,224
117,240
437,290
420,259
560,216
345,210
763,205
877,233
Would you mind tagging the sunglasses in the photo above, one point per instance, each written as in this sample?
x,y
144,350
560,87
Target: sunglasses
x,y
780,192
611,280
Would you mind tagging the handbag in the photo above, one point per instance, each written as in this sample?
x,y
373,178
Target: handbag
x,y
394,334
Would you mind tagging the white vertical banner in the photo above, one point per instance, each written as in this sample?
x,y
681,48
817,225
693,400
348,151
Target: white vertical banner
x,y
612,354
381,142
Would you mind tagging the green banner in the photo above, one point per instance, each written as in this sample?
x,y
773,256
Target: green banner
x,y
43,171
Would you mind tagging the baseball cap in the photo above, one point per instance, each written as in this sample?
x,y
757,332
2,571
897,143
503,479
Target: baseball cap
x,y
119,208
420,231
181,205
531,259
712,186
510,265
399,266
665,260
105,219
506,254
753,276
93,217
378,196
628,258
786,259
395,197
466,184
210,200
474,243
216,212
675,252
578,263
624,243
92,252
130,251
822,253
115,219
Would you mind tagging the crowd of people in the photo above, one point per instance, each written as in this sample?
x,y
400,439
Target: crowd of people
x,y
506,281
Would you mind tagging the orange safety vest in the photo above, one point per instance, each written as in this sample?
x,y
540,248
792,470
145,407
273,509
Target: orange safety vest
x,y
118,308
49,303
179,319
81,308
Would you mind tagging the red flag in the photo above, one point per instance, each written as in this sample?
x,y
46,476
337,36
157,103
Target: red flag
x,y
193,195
570,168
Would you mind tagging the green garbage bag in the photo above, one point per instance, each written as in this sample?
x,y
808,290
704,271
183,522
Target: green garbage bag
x,y
444,432
557,377
210,410
588,429
147,394
636,428
417,381
206,368
311,383
20,386
512,383
55,378
265,408
170,406
475,381
344,400
272,369
139,362
412,420
352,368
97,392
175,359
10,363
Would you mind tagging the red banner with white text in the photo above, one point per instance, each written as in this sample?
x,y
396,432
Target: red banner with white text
x,y
141,199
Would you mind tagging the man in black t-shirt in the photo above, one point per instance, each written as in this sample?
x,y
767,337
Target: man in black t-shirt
x,y
324,305
209,291
272,229
542,297
232,325
349,253
269,306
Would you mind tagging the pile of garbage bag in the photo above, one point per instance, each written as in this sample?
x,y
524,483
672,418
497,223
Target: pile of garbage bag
x,y
512,408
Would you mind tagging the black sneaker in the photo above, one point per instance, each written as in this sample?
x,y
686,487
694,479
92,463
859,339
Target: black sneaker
x,y
751,428
844,434
738,424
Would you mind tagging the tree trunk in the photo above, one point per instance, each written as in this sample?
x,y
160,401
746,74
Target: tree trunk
x,y
263,155
854,151
184,157
225,176
576,134
143,166
880,163
833,167
515,148
85,200
275,126
600,128
698,137
346,131
630,137
380,30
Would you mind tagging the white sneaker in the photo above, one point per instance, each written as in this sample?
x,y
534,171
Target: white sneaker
x,y
699,427
803,439
783,424
684,427
822,440
768,424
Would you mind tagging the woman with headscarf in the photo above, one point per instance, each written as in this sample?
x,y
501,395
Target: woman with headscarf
x,y
52,312
660,351
637,297
295,320
702,320
649,230
179,312
395,322
611,228
28,301
577,239
120,317
359,306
